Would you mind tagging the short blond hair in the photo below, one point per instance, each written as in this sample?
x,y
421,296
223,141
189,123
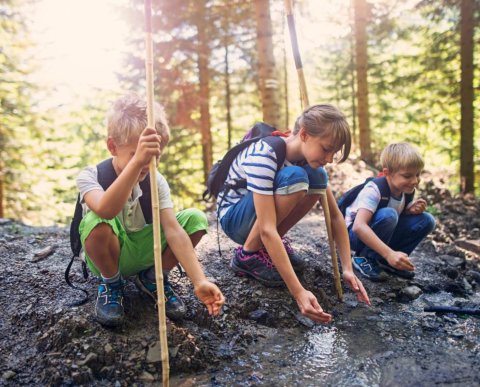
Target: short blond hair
x,y
401,155
127,118
325,120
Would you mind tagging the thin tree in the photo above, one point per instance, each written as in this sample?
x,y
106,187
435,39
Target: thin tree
x,y
268,82
467,8
360,8
204,78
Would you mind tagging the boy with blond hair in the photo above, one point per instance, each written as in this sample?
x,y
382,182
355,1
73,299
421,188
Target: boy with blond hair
x,y
385,224
116,236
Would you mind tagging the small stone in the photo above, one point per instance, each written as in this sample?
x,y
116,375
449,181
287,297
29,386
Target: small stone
x,y
410,293
304,320
154,353
146,377
7,375
108,348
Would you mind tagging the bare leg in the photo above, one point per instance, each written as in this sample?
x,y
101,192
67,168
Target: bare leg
x,y
302,208
103,248
284,204
169,261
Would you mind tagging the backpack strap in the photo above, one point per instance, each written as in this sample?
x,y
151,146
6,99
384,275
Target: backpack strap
x,y
382,184
385,193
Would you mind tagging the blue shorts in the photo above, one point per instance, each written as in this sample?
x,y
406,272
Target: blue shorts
x,y
240,218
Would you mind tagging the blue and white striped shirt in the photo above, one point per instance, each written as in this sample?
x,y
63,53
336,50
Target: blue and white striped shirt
x,y
257,164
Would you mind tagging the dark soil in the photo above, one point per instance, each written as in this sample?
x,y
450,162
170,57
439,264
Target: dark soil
x,y
44,341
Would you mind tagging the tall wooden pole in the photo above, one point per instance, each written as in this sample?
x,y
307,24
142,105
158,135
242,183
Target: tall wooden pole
x,y
157,246
305,104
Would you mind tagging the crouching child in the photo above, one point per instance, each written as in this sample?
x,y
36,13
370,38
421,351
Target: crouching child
x,y
116,231
385,223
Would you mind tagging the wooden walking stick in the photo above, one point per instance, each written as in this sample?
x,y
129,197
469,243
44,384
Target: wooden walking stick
x,y
305,104
157,247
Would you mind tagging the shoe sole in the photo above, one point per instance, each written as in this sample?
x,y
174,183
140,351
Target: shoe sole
x,y
109,322
374,279
242,272
398,273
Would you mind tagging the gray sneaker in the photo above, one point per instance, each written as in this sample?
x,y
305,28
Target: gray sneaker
x,y
369,268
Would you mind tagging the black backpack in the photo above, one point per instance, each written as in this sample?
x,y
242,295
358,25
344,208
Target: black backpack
x,y
106,176
219,172
348,197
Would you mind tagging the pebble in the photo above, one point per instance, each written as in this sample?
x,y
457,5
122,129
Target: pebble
x,y
146,377
411,292
154,353
7,375
304,320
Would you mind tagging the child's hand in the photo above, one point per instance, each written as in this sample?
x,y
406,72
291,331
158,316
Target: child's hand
x,y
310,307
211,296
148,146
356,285
400,260
417,207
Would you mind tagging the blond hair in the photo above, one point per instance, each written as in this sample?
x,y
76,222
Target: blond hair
x,y
401,155
127,119
326,120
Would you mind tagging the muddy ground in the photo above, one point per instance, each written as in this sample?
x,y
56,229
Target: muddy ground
x,y
44,341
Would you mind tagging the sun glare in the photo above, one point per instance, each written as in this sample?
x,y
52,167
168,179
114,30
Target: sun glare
x,y
79,45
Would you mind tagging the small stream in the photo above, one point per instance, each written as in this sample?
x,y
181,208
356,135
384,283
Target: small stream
x,y
392,344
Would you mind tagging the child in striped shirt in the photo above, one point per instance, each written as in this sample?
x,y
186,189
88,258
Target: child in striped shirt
x,y
258,217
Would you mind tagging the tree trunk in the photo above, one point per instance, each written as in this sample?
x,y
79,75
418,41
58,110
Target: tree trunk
x,y
228,101
204,77
467,182
268,83
360,12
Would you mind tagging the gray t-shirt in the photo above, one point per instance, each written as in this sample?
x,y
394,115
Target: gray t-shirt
x,y
131,215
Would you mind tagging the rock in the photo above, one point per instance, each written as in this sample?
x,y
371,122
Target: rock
x,y
410,293
173,351
146,377
154,354
261,316
304,320
7,375
470,245
473,275
455,262
451,272
108,348
42,254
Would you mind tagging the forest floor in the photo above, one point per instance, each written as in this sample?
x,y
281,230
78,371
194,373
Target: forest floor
x,y
44,341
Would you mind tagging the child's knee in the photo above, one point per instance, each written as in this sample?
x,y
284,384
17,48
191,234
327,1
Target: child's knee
x,y
387,215
101,235
291,179
427,223
193,220
318,178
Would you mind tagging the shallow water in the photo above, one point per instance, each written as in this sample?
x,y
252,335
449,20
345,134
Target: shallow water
x,y
393,344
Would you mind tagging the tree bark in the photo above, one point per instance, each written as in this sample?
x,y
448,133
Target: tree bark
x,y
204,78
267,79
360,12
467,179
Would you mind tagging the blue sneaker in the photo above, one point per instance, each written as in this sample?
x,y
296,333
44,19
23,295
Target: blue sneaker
x,y
174,306
384,265
109,306
369,268
298,263
258,265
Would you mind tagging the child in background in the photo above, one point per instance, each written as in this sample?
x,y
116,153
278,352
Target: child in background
x,y
116,240
383,238
275,200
